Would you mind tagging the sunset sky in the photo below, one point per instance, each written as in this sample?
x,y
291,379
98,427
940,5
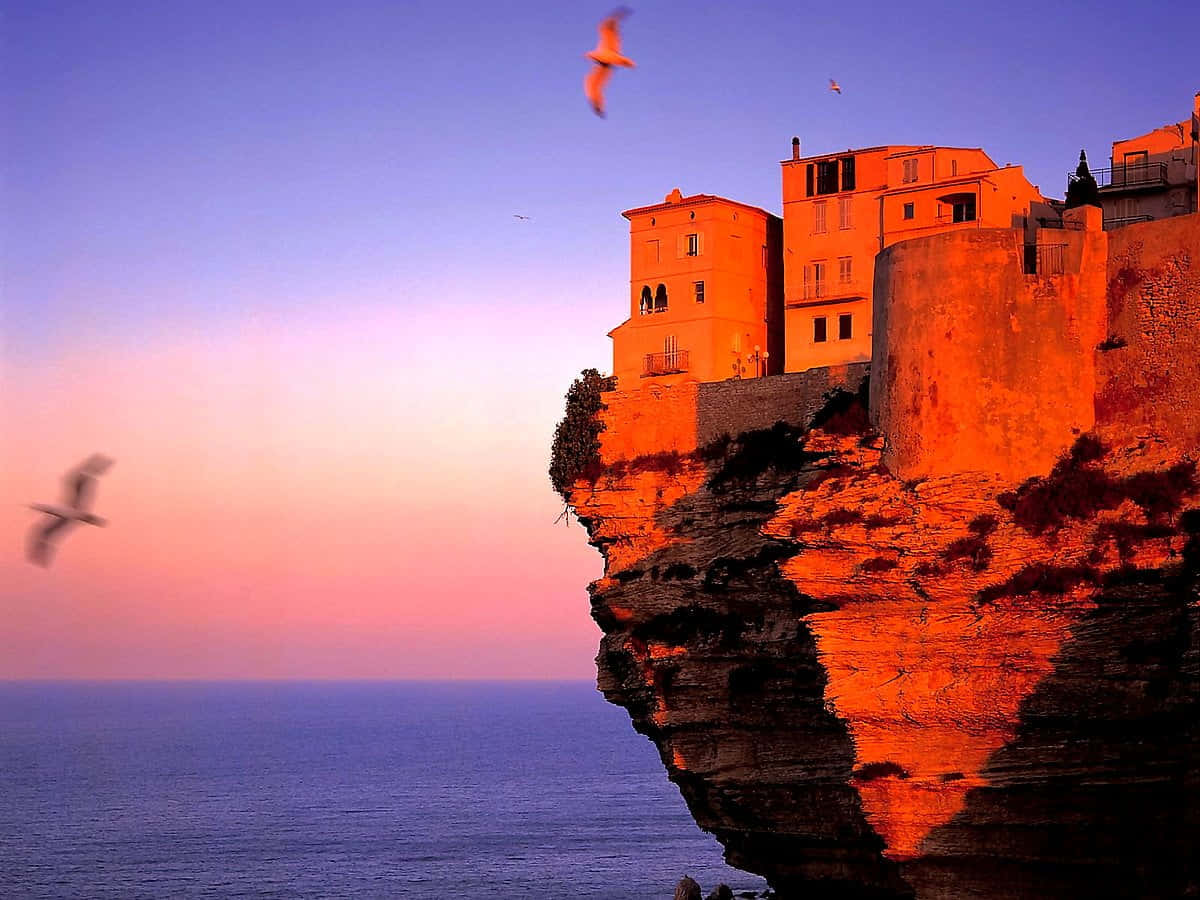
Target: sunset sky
x,y
264,255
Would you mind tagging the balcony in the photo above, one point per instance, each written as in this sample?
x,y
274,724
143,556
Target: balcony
x,y
671,363
1132,176
824,294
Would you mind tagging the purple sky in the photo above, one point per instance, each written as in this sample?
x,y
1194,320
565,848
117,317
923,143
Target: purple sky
x,y
218,216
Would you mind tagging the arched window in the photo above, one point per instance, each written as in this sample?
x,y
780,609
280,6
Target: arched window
x,y
660,298
646,305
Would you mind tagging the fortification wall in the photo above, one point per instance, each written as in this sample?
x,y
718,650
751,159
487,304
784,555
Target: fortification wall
x,y
978,366
659,418
1149,367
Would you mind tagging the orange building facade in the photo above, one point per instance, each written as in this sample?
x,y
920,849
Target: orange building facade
x,y
1152,176
706,293
840,210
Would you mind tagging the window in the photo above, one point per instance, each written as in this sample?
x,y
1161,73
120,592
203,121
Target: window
x,y
844,269
964,209
646,306
954,167
660,299
693,245
910,171
819,217
814,281
699,288
846,212
764,256
847,173
908,210
845,326
827,177
808,181
819,330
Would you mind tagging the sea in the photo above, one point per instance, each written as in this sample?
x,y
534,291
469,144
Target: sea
x,y
338,789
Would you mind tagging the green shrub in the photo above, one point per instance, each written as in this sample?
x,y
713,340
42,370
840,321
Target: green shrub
x,y
575,453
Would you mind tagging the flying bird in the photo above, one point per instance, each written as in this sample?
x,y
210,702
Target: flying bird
x,y
80,485
606,55
521,217
834,86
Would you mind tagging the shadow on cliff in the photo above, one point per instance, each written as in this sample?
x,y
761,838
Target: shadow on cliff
x,y
1115,729
706,647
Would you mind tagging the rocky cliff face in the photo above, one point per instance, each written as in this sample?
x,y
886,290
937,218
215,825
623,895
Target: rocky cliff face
x,y
951,687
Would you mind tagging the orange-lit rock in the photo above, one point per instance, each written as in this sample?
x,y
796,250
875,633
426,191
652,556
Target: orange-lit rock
x,y
885,665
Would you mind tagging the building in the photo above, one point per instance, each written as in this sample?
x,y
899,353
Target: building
x,y
1152,176
706,292
841,209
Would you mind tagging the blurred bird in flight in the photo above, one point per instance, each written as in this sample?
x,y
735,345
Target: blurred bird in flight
x,y
521,217
834,86
606,55
80,486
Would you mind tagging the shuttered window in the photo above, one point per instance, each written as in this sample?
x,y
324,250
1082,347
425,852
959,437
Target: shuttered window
x,y
847,173
827,177
846,213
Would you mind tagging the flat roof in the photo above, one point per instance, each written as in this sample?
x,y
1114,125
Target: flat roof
x,y
693,200
805,159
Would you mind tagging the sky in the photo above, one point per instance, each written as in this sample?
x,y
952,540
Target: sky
x,y
265,256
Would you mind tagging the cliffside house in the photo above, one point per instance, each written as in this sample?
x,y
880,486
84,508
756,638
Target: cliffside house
x,y
1153,175
841,209
705,292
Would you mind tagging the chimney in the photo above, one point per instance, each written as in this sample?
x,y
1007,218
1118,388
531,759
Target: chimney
x,y
795,148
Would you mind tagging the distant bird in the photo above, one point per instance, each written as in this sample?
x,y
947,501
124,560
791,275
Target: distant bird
x,y
521,217
80,484
606,55
834,86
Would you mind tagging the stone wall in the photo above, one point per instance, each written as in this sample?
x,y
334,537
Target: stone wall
x,y
978,366
1149,367
659,418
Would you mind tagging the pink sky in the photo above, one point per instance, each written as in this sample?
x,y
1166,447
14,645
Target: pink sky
x,y
314,500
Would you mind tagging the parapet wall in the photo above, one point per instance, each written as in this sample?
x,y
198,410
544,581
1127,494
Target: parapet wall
x,y
1149,367
978,366
659,418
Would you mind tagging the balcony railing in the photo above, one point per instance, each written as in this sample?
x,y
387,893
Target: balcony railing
x,y
1130,175
1048,222
665,363
1118,221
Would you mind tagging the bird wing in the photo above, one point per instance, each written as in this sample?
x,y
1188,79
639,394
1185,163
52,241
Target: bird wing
x,y
80,482
80,488
593,87
610,34
40,547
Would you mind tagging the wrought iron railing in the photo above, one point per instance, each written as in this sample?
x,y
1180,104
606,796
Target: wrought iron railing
x,y
1130,175
1044,259
667,363
1067,224
1118,221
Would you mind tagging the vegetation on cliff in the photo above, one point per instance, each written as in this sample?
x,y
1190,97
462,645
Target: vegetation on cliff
x,y
576,450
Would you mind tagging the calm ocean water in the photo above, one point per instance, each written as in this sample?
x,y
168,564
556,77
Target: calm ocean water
x,y
422,790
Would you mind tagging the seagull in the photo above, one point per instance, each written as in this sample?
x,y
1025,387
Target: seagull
x,y
606,55
521,217
834,86
80,484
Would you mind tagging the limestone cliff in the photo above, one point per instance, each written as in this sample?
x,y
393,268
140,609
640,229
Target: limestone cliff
x,y
962,684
